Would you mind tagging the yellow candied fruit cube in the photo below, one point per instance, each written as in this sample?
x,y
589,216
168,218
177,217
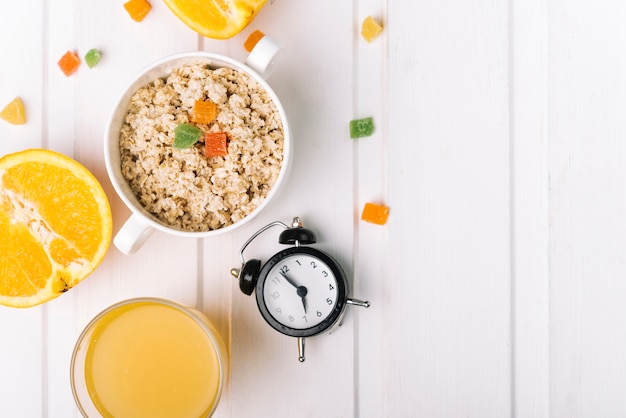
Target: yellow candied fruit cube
x,y
14,112
370,29
137,9
375,214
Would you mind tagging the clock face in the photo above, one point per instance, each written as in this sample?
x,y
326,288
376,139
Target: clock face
x,y
302,291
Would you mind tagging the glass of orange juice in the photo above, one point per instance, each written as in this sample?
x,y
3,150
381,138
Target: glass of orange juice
x,y
148,357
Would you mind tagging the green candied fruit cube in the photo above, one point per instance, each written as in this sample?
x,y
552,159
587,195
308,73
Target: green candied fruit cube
x,y
186,135
92,57
361,127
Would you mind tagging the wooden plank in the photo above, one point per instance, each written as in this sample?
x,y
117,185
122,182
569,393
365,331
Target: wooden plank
x,y
313,81
59,123
21,74
447,299
60,90
529,197
22,333
371,256
586,150
215,299
22,343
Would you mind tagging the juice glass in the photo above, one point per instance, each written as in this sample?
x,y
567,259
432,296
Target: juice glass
x,y
148,357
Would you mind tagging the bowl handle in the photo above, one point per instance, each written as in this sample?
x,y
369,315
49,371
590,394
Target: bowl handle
x,y
132,235
262,59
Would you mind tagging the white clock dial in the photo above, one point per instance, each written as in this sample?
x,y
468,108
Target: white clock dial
x,y
300,291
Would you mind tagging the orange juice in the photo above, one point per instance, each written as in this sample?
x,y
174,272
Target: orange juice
x,y
152,359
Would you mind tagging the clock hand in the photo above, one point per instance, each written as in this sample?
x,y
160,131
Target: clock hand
x,y
291,282
302,291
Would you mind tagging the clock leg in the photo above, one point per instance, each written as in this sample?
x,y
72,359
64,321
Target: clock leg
x,y
301,349
356,302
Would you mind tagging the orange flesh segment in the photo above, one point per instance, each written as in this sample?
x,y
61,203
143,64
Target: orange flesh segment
x,y
76,218
218,19
21,281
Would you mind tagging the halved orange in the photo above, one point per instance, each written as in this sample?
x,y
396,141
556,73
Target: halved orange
x,y
219,19
55,224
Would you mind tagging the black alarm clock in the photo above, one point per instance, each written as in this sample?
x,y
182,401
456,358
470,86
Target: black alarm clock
x,y
300,291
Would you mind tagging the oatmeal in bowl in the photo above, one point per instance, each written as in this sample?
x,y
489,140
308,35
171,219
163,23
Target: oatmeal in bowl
x,y
197,146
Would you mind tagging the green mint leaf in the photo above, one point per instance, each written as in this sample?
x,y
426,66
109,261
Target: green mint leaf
x,y
186,135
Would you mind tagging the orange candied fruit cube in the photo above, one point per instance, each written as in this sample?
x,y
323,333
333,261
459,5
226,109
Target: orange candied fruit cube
x,y
203,112
370,29
215,144
137,9
69,63
252,40
375,214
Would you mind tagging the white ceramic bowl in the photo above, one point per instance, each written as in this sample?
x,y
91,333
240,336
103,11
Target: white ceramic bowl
x,y
141,224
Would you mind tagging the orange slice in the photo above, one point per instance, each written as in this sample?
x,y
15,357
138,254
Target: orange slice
x,y
219,19
55,223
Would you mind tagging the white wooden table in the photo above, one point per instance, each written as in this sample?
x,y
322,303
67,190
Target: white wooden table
x,y
498,284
